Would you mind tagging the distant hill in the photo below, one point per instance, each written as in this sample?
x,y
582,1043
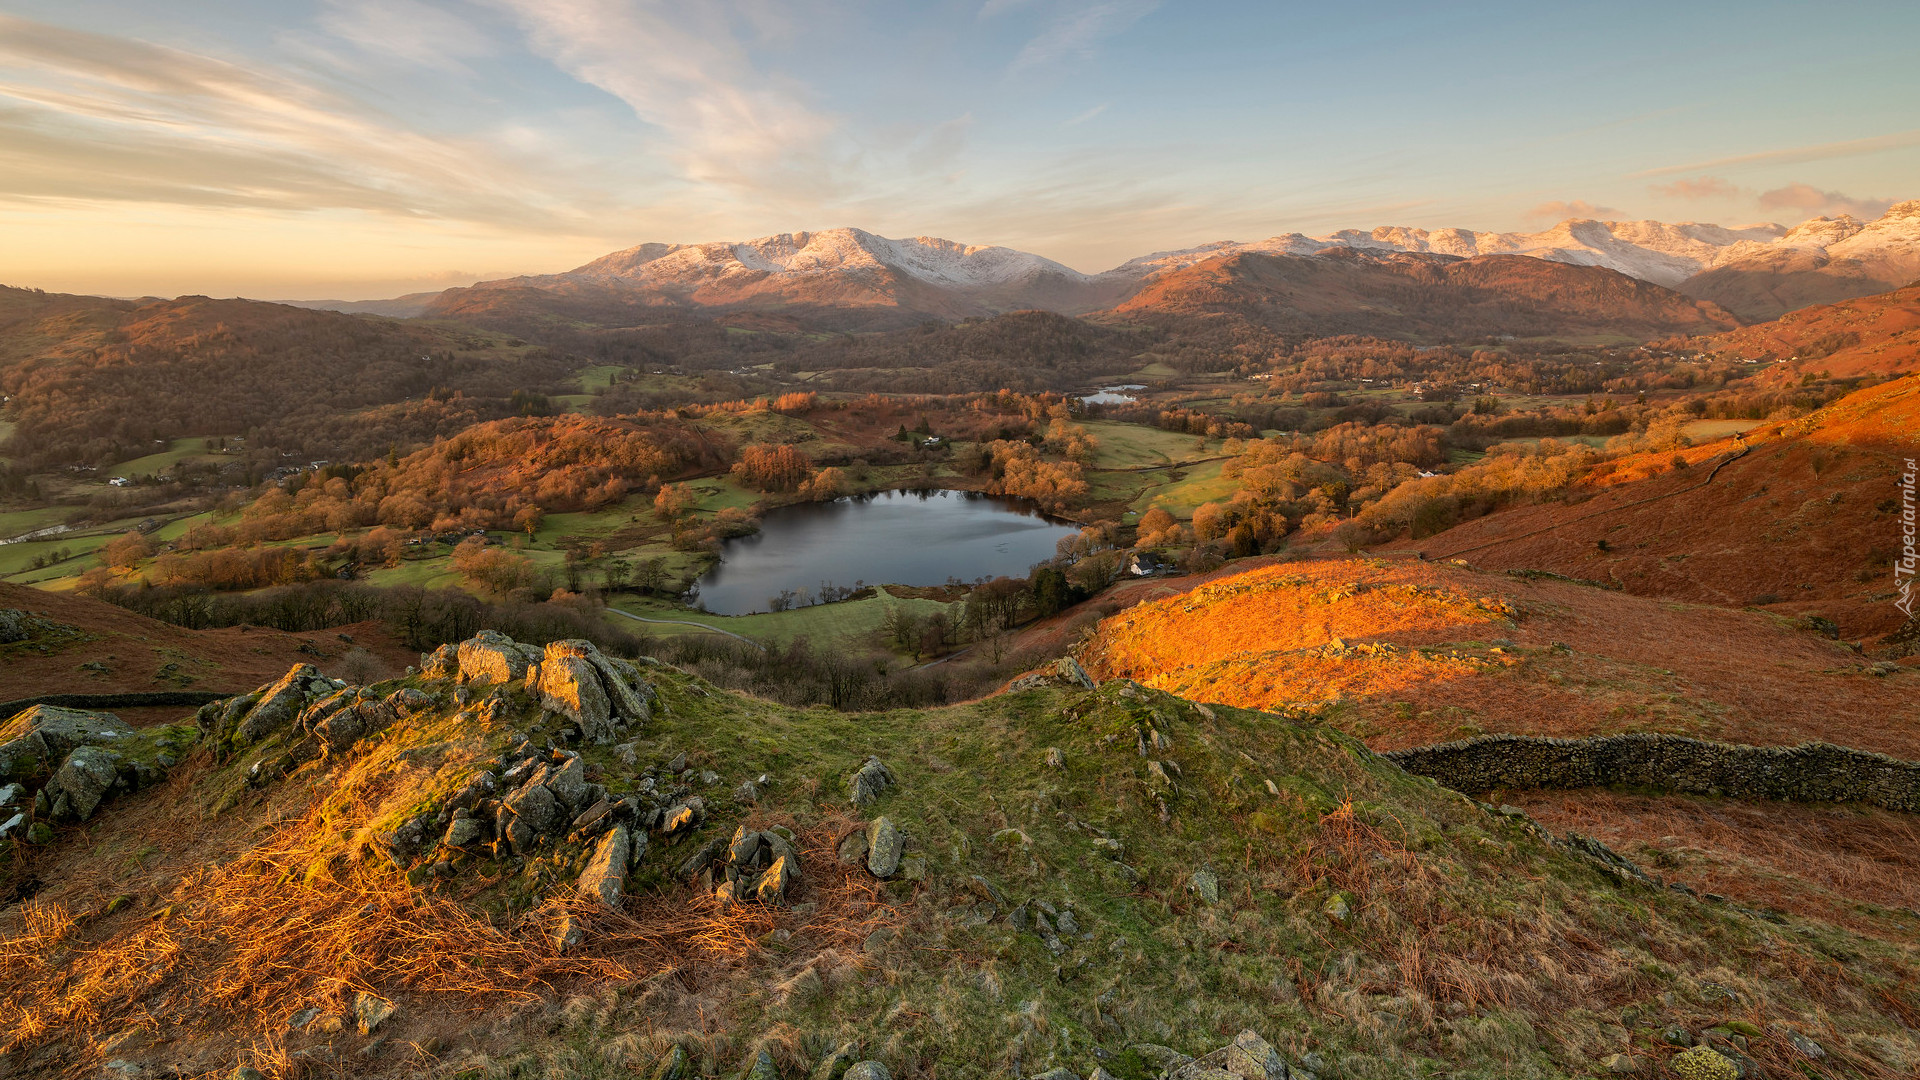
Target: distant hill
x,y
1869,335
1803,523
1422,297
1820,262
92,379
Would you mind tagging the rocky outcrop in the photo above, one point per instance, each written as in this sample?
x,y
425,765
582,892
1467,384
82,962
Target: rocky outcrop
x,y
606,872
867,784
492,657
760,867
1812,772
35,741
240,722
83,759
1065,671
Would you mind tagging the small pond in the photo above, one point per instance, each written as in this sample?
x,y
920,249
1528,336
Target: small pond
x,y
1113,395
894,537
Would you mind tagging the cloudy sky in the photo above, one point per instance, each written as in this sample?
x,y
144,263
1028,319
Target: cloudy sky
x,y
362,148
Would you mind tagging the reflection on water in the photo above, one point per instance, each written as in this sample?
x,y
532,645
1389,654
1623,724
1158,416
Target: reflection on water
x,y
894,537
1113,395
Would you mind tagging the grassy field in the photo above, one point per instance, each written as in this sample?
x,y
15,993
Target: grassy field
x,y
1200,484
15,522
194,448
850,620
1125,446
1709,430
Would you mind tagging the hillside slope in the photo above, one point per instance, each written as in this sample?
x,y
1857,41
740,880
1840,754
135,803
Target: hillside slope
x,y
1423,297
1803,523
92,379
1066,878
1871,335
79,646
1821,261
1404,653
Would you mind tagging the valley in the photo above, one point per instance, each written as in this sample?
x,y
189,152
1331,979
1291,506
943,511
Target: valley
x,y
831,647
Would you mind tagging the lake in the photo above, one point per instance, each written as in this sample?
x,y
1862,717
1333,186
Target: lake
x,y
1113,395
894,537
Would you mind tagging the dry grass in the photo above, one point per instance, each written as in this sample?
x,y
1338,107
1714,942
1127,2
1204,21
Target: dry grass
x,y
1849,866
1419,664
290,916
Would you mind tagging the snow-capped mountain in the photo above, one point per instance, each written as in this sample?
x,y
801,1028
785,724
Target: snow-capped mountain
x,y
1649,250
844,267
1822,261
1757,271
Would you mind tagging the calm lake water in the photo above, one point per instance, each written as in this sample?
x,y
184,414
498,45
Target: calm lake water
x,y
1113,395
894,537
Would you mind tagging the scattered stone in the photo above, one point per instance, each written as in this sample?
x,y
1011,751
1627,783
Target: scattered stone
x,y
853,848
837,1061
1339,907
1806,1047
868,1070
674,1065
1251,1057
877,941
1704,1063
1165,1058
1206,885
885,843
606,870
567,934
866,785
246,1072
82,783
369,1011
762,1068
1618,1064
1056,759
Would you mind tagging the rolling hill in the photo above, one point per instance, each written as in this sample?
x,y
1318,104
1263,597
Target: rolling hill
x,y
1804,521
1421,297
1869,335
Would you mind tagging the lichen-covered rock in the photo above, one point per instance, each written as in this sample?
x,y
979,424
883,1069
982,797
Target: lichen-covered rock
x,y
369,1012
606,871
37,739
867,784
867,1070
1065,671
279,704
570,685
13,626
1704,1063
776,880
632,696
82,783
441,663
885,842
491,657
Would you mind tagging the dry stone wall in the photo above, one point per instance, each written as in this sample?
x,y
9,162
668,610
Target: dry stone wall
x,y
1811,772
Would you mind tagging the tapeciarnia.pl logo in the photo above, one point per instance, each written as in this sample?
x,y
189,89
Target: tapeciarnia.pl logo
x,y
1903,566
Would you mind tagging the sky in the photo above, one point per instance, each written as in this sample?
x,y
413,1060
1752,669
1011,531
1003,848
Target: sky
x,y
353,149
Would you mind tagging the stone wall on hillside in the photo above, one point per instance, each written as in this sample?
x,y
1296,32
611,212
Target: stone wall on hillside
x,y
1811,772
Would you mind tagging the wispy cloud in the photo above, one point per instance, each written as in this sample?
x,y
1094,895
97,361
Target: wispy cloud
x,y
1701,187
1077,31
1076,121
408,30
682,69
90,117
1811,200
1560,210
1898,140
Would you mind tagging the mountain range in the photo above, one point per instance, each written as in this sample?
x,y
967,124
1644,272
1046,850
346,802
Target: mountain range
x,y
1756,272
